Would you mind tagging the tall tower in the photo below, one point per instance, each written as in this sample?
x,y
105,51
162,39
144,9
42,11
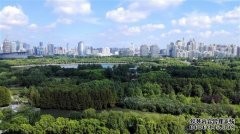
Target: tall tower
x,y
80,48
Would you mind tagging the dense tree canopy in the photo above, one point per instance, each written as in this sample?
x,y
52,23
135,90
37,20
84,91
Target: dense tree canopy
x,y
174,90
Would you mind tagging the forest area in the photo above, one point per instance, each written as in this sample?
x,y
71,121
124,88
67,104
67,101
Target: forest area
x,y
142,96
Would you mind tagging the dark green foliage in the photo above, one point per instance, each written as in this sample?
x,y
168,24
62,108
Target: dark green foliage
x,y
121,72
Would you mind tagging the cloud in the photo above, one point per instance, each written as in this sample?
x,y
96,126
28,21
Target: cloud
x,y
142,28
188,31
139,9
91,20
223,1
125,16
153,4
33,26
232,16
205,21
4,27
64,21
51,25
171,32
70,7
209,33
194,20
132,30
151,27
12,15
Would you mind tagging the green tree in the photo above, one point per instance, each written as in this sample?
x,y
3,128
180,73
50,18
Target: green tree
x,y
151,126
72,126
34,96
187,89
208,88
27,129
1,115
89,113
19,120
141,130
197,90
151,89
5,96
45,123
115,121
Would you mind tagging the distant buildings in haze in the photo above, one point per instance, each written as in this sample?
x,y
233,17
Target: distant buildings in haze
x,y
189,49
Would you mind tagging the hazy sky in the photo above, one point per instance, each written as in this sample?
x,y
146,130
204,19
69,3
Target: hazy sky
x,y
118,23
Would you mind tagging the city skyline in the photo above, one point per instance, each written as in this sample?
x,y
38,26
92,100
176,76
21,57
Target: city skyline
x,y
120,23
181,48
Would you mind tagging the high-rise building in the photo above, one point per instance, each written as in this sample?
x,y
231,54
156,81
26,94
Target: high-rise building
x,y
24,47
163,52
201,47
13,47
106,51
238,51
40,44
154,51
81,49
170,49
126,52
1,48
67,49
234,50
132,48
6,46
88,50
50,49
39,50
59,50
144,50
191,45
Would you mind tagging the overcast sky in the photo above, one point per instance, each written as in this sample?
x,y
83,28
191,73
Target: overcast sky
x,y
118,23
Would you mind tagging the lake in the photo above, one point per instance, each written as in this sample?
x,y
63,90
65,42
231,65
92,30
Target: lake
x,y
70,65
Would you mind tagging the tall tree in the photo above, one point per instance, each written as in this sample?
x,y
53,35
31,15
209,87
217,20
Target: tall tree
x,y
5,96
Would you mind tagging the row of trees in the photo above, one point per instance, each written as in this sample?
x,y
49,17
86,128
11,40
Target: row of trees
x,y
177,105
63,60
107,122
97,94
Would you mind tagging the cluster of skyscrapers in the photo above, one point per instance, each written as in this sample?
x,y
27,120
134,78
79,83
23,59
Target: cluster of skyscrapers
x,y
14,49
191,49
14,46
